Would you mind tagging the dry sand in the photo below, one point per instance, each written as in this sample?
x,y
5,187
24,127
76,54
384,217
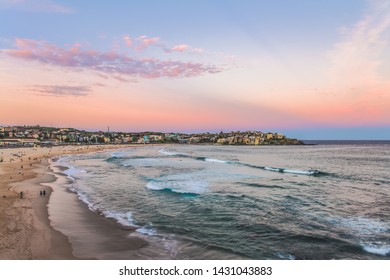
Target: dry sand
x,y
25,230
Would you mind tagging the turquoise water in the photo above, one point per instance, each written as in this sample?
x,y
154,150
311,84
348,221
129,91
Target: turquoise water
x,y
232,202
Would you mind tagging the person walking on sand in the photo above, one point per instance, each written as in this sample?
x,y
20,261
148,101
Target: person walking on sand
x,y
44,193
21,195
40,193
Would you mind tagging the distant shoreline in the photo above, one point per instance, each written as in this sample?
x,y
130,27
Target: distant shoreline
x,y
304,143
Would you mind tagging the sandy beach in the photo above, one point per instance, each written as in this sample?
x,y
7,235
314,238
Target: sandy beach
x,y
25,227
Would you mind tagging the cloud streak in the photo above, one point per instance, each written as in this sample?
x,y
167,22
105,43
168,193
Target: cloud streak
x,y
180,48
360,60
183,48
358,55
143,42
60,90
107,63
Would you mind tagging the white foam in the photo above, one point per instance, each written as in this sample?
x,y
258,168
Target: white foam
x,y
118,154
62,159
170,153
124,218
72,172
84,198
147,230
155,186
272,169
285,256
369,232
214,160
292,171
364,227
300,172
383,251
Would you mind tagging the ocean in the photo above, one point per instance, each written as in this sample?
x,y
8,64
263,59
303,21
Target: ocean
x,y
325,201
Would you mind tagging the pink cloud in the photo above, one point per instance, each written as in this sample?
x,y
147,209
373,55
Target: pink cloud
x,y
60,90
128,40
148,41
107,63
75,49
25,43
180,48
120,79
145,41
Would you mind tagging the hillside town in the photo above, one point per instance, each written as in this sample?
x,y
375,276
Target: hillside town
x,y
50,136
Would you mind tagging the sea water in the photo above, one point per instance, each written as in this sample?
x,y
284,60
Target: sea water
x,y
326,201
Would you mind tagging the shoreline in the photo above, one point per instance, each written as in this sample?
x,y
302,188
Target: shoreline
x,y
26,231
91,234
46,242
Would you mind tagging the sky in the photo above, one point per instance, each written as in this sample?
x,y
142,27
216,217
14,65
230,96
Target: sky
x,y
309,69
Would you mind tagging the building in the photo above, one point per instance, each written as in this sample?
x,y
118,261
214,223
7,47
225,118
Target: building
x,y
269,136
28,141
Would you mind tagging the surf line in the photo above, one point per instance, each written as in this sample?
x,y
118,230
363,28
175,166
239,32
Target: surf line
x,y
309,172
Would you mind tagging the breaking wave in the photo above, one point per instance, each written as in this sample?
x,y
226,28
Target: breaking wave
x,y
267,168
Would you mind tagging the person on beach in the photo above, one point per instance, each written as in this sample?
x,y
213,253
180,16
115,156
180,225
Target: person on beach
x,y
44,193
21,195
40,193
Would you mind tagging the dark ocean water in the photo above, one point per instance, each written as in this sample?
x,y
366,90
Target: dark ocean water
x,y
256,202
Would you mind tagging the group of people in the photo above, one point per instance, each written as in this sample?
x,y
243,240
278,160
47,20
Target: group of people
x,y
41,193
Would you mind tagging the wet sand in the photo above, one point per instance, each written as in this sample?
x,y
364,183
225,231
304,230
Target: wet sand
x,y
91,234
26,231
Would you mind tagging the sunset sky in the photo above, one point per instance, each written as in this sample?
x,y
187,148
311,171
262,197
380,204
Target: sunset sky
x,y
310,69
